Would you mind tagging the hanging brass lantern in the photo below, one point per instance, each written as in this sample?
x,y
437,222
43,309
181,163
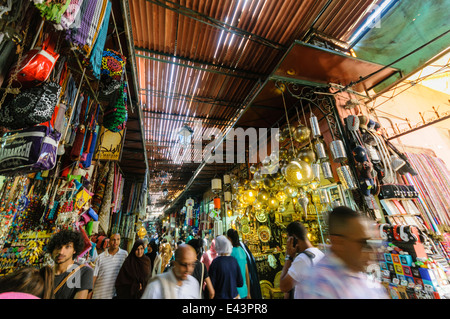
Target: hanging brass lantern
x,y
298,173
281,196
263,196
307,155
301,134
273,203
269,182
249,196
290,191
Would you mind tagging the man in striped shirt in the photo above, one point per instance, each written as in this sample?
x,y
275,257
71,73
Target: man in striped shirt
x,y
107,267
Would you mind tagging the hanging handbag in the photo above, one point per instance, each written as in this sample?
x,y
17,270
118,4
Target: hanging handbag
x,y
28,150
37,64
30,107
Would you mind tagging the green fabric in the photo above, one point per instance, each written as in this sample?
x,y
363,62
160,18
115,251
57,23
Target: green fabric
x,y
406,27
54,11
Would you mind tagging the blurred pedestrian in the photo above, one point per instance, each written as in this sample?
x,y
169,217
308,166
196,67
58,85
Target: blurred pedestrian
x,y
72,280
340,274
200,272
28,283
209,255
107,267
300,256
224,271
162,260
241,257
134,273
177,282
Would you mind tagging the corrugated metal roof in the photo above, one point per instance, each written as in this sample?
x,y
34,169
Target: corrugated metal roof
x,y
200,60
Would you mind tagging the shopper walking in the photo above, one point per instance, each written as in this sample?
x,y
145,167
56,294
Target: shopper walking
x,y
177,282
300,256
163,259
28,283
224,271
152,251
200,272
339,275
107,267
209,255
255,286
72,280
241,257
134,274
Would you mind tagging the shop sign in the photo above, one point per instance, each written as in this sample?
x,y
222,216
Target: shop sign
x,y
110,145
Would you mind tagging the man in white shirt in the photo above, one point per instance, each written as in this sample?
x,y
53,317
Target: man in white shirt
x,y
300,256
178,282
107,267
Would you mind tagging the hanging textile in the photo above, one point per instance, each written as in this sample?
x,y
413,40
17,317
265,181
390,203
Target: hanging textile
x,y
97,50
105,210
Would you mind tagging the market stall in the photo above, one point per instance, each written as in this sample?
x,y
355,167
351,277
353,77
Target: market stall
x,y
64,111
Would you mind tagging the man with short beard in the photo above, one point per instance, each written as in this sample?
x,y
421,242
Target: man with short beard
x,y
72,280
107,267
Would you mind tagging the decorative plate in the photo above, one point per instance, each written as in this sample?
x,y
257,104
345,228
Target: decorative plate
x,y
245,229
261,216
264,234
244,220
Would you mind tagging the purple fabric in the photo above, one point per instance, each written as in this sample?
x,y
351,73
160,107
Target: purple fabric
x,y
28,150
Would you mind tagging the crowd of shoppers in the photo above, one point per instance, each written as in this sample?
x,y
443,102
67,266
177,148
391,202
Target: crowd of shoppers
x,y
200,268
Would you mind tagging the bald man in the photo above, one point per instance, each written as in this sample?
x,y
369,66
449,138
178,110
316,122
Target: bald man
x,y
178,282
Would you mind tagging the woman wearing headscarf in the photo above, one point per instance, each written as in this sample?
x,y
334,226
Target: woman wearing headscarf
x,y
224,271
209,255
134,274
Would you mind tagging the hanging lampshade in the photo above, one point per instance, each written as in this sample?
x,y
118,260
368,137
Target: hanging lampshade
x,y
226,179
227,196
269,182
307,156
217,203
298,173
185,134
281,196
258,176
263,196
249,196
216,185
301,134
290,191
253,184
273,203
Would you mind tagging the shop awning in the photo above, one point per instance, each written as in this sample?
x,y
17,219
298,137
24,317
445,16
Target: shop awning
x,y
311,65
410,35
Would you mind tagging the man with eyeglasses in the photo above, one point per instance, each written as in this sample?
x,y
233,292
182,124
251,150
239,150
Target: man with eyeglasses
x,y
178,282
340,274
